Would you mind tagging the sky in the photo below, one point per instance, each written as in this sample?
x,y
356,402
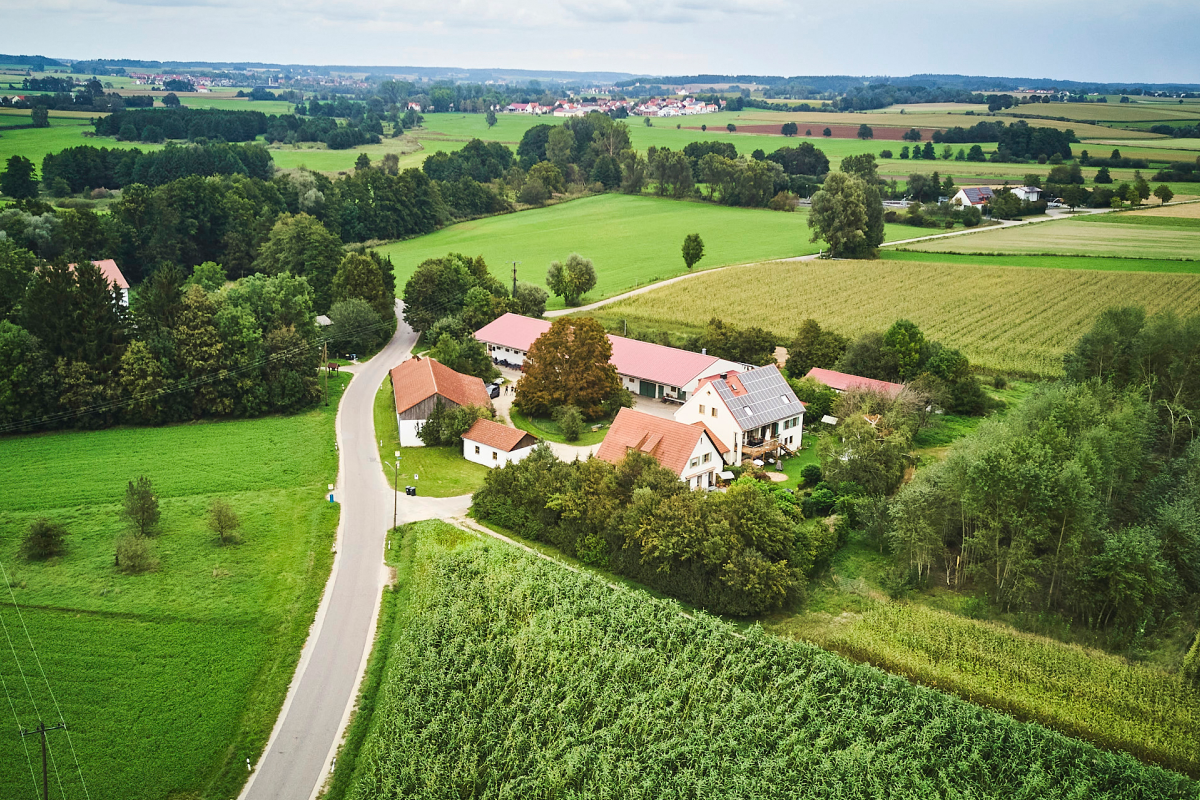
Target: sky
x,y
1101,40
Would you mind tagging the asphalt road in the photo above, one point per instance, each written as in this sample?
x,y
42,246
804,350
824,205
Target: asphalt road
x,y
298,755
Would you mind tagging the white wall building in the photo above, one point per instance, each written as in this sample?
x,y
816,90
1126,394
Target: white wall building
x,y
494,445
754,412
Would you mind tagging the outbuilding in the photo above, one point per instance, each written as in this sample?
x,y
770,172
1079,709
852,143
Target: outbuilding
x,y
419,384
494,445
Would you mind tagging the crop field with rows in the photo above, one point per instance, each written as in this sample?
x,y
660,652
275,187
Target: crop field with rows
x,y
1079,238
508,676
170,679
1007,319
1098,697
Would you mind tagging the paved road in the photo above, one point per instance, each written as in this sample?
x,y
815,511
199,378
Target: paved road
x,y
297,760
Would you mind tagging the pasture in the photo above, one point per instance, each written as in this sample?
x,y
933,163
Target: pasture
x,y
35,143
1043,262
1005,319
170,679
507,671
631,240
1078,237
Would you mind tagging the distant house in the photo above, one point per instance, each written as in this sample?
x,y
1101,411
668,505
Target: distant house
x,y
112,274
494,445
646,369
973,196
1030,193
419,384
840,382
754,411
693,452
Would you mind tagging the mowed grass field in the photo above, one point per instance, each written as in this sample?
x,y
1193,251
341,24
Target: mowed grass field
x,y
171,679
631,240
1082,237
35,143
1005,319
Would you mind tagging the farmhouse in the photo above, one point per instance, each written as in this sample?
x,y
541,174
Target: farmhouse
x,y
973,196
112,274
754,411
693,452
494,445
840,382
420,384
1030,193
646,369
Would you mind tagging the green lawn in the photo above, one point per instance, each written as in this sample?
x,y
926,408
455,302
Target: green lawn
x,y
439,471
35,143
1044,262
168,680
632,240
549,430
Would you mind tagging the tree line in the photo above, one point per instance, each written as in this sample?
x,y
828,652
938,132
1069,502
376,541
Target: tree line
x,y
741,552
157,124
86,166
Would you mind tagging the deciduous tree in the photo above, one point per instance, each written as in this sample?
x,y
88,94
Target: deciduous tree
x,y
223,521
693,249
140,509
571,280
568,365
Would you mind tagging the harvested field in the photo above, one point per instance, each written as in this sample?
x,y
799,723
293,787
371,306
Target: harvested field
x,y
1181,210
1003,318
837,131
1073,237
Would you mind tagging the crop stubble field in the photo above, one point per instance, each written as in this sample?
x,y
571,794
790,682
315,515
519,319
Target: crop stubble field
x,y
171,679
1008,319
1079,237
509,674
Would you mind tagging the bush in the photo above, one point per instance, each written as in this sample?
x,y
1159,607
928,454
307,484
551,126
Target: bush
x,y
133,555
44,540
783,201
60,188
819,503
810,474
570,422
885,153
999,382
1191,663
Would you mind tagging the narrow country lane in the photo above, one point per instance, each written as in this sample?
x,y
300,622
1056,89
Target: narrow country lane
x,y
298,755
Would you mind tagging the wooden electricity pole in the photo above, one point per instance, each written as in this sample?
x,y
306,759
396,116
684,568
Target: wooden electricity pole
x,y
514,294
42,730
325,366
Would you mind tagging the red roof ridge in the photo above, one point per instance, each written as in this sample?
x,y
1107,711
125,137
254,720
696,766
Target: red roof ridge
x,y
493,434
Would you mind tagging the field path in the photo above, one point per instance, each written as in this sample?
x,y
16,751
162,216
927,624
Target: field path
x,y
300,752
652,286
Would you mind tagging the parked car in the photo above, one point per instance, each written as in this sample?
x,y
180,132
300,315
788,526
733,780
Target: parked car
x,y
494,390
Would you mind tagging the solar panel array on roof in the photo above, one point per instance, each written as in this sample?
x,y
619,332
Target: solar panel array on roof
x,y
768,398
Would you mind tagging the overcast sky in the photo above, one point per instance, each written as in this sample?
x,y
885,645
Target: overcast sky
x,y
1101,40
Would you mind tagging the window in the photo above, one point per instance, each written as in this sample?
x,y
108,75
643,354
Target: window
x,y
702,410
476,449
707,458
495,456
695,462
714,411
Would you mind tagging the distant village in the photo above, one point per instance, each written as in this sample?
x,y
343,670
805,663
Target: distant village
x,y
654,107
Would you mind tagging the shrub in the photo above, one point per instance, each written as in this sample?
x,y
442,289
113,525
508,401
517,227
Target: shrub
x,y
45,539
885,153
810,474
133,555
999,382
60,188
1191,663
570,422
819,503
784,201
223,522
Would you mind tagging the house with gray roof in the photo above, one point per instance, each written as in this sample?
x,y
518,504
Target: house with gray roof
x,y
754,412
973,196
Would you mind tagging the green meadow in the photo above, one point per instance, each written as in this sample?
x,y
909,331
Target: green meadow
x,y
171,679
1045,262
631,240
35,143
1081,238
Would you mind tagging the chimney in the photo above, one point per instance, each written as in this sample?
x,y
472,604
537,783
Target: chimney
x,y
703,351
724,376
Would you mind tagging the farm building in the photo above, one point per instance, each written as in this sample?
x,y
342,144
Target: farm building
x,y
494,445
646,369
754,411
693,452
972,196
419,384
112,273
840,382
1030,193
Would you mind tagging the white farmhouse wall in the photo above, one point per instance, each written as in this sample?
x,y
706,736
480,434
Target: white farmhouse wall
x,y
703,465
408,432
700,407
489,456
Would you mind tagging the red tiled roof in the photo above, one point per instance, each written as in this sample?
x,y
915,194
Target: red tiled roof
x,y
721,447
418,378
654,362
501,437
841,382
111,272
671,443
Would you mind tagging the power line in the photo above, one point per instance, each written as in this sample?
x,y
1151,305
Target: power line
x,y
49,689
17,721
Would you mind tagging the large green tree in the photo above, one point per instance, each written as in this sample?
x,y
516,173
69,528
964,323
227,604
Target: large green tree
x,y
571,280
847,214
17,180
360,276
301,245
813,347
568,365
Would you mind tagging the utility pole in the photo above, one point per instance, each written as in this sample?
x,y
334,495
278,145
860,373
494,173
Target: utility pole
x,y
42,730
514,294
325,364
395,490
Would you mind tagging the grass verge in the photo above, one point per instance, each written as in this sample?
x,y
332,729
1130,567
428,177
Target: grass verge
x,y
549,430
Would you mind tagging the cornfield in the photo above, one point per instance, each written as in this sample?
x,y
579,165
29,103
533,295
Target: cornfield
x,y
1098,697
510,677
1006,319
